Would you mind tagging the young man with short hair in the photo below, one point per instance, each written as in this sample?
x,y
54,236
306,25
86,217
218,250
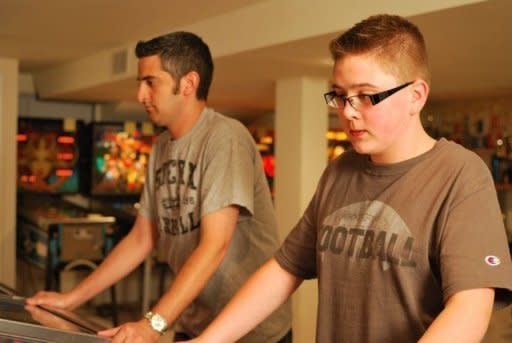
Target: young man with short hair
x,y
404,233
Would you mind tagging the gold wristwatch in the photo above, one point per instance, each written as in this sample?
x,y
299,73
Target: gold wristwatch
x,y
157,322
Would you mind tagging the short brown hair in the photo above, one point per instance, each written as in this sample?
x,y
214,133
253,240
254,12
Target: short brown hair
x,y
180,53
397,43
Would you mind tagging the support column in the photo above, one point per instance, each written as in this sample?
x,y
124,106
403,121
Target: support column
x,y
301,124
8,129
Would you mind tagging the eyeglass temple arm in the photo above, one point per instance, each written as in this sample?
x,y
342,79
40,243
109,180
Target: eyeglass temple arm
x,y
376,98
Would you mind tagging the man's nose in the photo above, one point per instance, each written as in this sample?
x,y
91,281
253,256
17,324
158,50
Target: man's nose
x,y
347,111
141,93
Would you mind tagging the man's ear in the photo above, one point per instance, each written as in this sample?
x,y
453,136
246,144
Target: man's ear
x,y
190,83
420,91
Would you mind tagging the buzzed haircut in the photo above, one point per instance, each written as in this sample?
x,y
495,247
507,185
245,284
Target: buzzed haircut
x,y
397,44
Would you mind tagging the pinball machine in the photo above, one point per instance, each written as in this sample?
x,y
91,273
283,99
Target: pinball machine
x,y
54,234
23,323
118,161
119,158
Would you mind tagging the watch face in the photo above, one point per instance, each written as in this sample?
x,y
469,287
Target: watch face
x,y
158,322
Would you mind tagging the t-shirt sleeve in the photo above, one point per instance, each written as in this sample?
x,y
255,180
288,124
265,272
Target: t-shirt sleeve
x,y
228,172
473,249
298,253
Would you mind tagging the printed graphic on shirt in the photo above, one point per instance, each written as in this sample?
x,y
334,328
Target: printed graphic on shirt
x,y
177,191
368,230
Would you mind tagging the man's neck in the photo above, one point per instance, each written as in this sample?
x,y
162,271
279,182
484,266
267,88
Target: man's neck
x,y
188,119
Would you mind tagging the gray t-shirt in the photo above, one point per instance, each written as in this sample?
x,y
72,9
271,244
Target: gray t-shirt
x,y
214,165
390,244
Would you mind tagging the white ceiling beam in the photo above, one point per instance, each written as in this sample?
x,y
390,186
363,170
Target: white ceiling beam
x,y
257,26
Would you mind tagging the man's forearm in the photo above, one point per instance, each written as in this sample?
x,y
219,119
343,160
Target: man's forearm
x,y
124,258
217,229
189,282
267,289
464,319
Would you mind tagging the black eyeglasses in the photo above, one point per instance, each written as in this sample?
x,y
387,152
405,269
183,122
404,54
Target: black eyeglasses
x,y
360,101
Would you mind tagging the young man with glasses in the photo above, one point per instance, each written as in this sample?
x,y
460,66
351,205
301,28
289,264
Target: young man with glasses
x,y
404,233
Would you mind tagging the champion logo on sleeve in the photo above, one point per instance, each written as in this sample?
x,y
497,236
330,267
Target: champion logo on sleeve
x,y
493,261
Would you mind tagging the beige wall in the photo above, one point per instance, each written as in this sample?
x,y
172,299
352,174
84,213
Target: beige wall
x,y
8,127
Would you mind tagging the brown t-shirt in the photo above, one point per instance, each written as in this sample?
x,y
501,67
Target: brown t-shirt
x,y
390,244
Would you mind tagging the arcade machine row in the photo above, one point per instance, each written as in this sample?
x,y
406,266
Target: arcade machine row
x,y
53,234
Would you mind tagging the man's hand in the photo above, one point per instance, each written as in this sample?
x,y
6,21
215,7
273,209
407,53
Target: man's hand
x,y
53,299
134,332
48,319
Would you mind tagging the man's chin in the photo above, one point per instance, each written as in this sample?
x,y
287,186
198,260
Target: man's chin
x,y
362,149
155,118
152,115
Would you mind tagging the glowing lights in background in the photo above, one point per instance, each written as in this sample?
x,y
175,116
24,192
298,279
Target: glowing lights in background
x,y
120,157
337,143
47,156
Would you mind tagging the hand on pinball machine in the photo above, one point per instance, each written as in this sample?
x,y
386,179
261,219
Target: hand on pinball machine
x,y
136,332
53,299
49,319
